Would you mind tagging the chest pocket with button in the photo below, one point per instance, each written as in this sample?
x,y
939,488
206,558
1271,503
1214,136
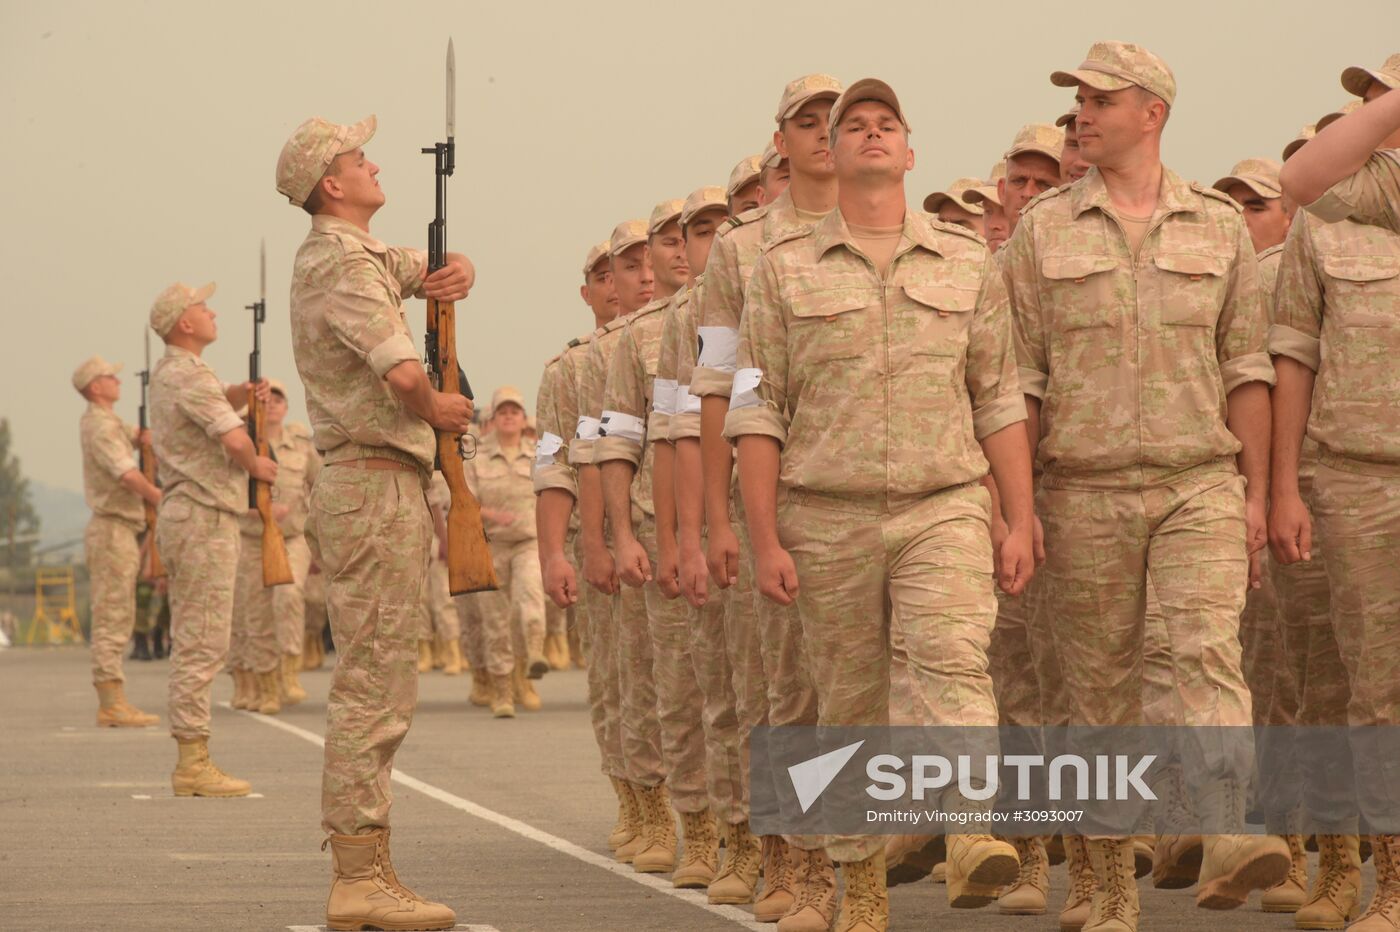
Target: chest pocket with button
x,y
946,318
831,344
1192,288
1363,291
1078,292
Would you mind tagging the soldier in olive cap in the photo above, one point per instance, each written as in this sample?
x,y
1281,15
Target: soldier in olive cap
x,y
373,414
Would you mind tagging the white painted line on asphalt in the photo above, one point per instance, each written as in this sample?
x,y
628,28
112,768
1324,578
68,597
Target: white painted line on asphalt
x,y
140,796
651,881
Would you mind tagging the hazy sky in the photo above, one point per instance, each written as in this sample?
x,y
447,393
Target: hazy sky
x,y
141,139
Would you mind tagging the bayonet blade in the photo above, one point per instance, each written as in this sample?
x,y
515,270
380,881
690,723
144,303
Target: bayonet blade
x,y
451,91
262,270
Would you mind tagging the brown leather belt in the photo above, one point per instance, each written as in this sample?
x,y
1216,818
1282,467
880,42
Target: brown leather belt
x,y
375,462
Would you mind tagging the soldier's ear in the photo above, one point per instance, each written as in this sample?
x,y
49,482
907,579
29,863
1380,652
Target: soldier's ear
x,y
909,160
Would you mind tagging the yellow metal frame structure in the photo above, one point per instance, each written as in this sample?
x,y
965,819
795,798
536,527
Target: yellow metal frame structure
x,y
55,608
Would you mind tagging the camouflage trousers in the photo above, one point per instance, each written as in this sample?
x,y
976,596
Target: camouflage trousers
x,y
745,643
512,617
1022,644
469,625
1356,506
199,546
439,611
370,532
707,642
1317,673
598,627
314,594
1101,545
114,561
268,621
868,567
557,620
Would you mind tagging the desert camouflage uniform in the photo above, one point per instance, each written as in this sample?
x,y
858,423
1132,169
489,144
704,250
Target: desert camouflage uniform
x,y
1371,196
637,408
1133,358
270,621
1338,313
369,529
197,531
111,542
439,618
557,456
512,617
642,736
879,390
790,698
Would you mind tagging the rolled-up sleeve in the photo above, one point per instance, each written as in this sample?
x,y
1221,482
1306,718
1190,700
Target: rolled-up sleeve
x,y
1021,279
992,383
758,402
1241,336
203,401
622,429
718,309
365,317
1371,196
112,450
1298,299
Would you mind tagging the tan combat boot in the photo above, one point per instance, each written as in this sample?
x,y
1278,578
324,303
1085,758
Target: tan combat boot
x,y
366,893
700,853
865,904
1144,854
312,654
1082,883
244,687
1383,915
1026,895
629,815
737,879
1335,898
814,891
525,695
657,854
1176,857
939,874
1055,850
978,867
1233,865
196,775
452,658
425,656
556,651
778,865
269,696
502,705
113,711
481,688
292,693
1114,906
911,858
1292,892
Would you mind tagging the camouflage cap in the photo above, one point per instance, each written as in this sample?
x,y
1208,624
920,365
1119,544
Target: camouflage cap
x,y
954,192
745,173
277,386
171,303
506,395
808,87
310,151
1259,175
597,254
998,173
985,193
1304,134
625,235
1068,117
701,199
663,214
867,89
1358,80
770,158
1112,66
1038,137
92,368
1347,108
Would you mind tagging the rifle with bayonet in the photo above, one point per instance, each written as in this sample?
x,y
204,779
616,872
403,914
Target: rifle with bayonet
x,y
154,568
469,565
276,570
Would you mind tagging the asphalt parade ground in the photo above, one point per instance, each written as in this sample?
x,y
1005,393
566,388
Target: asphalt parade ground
x,y
505,821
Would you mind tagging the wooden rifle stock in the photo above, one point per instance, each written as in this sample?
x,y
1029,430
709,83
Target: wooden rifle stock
x,y
276,569
155,569
469,564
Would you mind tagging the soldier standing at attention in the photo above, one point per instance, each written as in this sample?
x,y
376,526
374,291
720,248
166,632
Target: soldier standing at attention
x,y
884,523
204,452
114,488
373,413
274,617
1141,336
1336,487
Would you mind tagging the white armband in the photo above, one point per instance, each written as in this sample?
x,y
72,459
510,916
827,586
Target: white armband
x,y
744,394
587,428
622,426
664,394
686,403
718,348
548,446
